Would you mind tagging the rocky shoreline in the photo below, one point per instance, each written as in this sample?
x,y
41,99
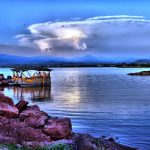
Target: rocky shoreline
x,y
29,127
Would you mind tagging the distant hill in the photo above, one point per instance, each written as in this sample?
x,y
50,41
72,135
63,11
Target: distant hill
x,y
13,60
9,59
102,60
142,61
87,59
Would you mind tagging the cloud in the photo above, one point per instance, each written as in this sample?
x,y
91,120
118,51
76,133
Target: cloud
x,y
10,49
100,35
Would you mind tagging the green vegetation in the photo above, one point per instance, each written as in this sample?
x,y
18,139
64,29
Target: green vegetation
x,y
11,147
51,147
60,147
133,65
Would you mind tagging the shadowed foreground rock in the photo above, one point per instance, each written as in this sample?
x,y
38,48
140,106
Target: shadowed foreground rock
x,y
58,128
29,127
21,105
87,142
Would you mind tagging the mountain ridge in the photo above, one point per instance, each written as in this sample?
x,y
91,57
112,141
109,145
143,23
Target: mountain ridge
x,y
6,59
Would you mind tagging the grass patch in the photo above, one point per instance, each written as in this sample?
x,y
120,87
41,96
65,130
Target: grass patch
x,y
58,147
51,147
11,147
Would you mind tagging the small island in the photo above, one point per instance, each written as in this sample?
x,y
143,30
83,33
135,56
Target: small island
x,y
27,127
142,73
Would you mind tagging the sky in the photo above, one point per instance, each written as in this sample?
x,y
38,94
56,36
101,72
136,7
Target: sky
x,y
108,28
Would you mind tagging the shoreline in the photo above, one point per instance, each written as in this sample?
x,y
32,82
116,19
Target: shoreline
x,y
122,65
27,126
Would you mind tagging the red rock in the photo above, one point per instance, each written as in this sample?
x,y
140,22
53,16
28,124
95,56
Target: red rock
x,y
6,99
8,111
36,121
33,107
34,117
7,107
29,112
58,128
14,131
30,134
21,105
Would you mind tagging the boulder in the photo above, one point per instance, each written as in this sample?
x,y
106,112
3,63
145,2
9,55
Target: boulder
x,y
21,105
6,99
36,121
8,110
7,107
31,111
58,128
85,142
14,131
34,117
33,107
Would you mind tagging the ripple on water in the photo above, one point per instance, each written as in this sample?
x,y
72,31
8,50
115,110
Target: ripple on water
x,y
100,101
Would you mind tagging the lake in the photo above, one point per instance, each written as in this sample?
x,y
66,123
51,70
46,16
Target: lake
x,y
100,101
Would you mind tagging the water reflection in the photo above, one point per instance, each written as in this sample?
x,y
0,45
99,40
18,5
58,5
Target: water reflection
x,y
100,101
72,99
40,93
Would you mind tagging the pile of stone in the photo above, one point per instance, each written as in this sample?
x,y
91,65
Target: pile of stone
x,y
28,126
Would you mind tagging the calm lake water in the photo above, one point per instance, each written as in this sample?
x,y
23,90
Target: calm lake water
x,y
100,101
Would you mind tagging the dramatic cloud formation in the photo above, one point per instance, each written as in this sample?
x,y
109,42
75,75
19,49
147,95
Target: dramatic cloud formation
x,y
51,36
101,35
